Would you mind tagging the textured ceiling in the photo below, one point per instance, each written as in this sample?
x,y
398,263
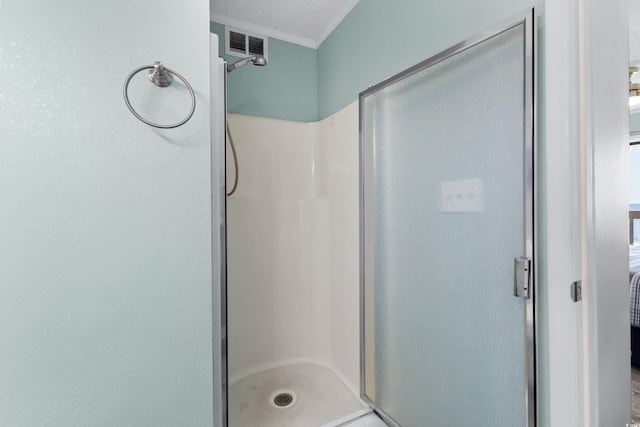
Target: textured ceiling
x,y
305,22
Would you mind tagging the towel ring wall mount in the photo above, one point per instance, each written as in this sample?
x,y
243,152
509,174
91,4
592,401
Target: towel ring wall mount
x,y
160,76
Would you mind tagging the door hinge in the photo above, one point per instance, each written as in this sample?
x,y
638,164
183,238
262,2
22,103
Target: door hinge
x,y
576,291
522,277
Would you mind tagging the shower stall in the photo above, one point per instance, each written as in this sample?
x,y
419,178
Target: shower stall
x,y
381,260
292,278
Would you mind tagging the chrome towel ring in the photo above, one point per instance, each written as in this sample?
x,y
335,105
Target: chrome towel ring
x,y
160,76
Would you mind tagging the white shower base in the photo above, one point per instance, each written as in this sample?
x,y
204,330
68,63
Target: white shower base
x,y
321,398
370,420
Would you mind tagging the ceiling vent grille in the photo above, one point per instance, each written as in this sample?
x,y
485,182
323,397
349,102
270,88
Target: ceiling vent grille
x,y
243,44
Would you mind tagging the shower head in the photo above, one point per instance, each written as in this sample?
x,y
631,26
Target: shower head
x,y
260,61
256,60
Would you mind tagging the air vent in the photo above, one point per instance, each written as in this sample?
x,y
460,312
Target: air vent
x,y
243,44
237,42
256,46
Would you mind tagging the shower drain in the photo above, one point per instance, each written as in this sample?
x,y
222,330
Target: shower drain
x,y
283,399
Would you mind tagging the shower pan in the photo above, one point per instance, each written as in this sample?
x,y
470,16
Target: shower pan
x,y
435,326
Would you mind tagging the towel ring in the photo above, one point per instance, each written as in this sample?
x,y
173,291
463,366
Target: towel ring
x,y
160,76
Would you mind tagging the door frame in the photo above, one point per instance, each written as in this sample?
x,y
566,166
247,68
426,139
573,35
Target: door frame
x,y
605,145
584,137
218,75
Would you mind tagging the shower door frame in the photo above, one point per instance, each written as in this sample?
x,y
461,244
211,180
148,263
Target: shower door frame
x,y
219,234
530,196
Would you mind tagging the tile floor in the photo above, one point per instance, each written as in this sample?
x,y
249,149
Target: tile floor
x,y
321,398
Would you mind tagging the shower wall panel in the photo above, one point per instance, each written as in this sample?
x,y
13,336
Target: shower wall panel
x,y
338,140
293,245
278,248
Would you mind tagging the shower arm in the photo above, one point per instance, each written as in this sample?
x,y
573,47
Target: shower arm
x,y
257,60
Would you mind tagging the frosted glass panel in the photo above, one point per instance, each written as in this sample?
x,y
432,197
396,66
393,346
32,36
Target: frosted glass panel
x,y
443,220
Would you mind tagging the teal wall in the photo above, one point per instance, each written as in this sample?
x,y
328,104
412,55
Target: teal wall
x,y
287,88
376,40
106,263
381,38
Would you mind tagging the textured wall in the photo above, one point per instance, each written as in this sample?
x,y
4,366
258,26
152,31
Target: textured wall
x,y
105,259
380,38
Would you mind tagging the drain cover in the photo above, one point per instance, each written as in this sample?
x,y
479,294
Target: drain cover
x,y
283,399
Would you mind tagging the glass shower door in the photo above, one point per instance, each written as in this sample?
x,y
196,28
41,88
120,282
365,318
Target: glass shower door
x,y
447,198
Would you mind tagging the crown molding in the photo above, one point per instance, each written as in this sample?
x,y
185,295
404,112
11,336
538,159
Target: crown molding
x,y
265,31
282,35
